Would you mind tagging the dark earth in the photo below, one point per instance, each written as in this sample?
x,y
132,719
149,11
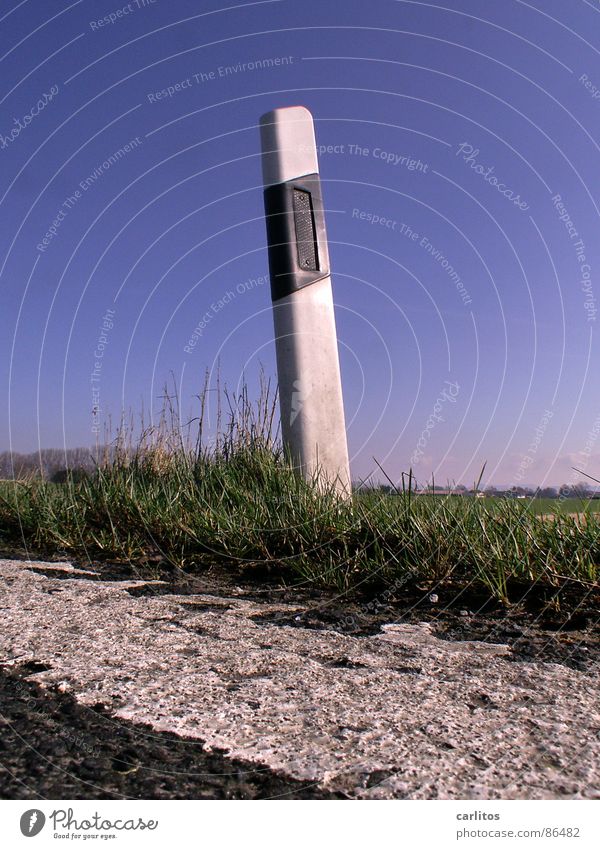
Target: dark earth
x,y
52,747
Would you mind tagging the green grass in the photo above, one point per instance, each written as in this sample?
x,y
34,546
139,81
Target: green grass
x,y
241,504
550,506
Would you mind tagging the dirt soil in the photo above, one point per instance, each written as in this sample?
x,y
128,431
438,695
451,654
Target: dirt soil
x,y
534,625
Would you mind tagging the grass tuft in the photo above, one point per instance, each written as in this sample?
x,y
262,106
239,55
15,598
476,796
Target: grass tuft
x,y
238,502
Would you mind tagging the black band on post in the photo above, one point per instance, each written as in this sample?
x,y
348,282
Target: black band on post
x,y
296,235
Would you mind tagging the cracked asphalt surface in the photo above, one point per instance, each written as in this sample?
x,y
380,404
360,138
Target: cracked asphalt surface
x,y
212,695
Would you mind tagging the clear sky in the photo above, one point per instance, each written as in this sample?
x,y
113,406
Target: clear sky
x,y
460,161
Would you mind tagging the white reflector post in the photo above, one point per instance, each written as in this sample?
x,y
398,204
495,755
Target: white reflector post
x,y
310,389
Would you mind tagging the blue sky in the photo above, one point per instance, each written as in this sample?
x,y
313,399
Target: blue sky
x,y
460,152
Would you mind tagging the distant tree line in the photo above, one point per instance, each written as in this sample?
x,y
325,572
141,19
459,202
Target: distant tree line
x,y
566,490
56,464
48,463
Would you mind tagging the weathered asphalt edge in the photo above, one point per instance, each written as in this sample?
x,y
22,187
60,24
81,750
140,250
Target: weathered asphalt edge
x,y
436,719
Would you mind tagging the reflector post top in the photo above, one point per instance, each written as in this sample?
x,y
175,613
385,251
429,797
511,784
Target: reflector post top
x,y
288,145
